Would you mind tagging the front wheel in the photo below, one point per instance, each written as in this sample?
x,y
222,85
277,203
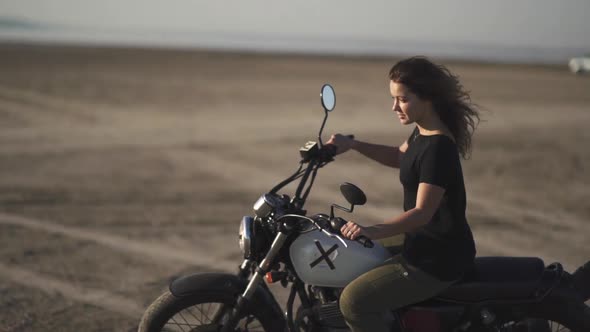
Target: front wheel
x,y
198,313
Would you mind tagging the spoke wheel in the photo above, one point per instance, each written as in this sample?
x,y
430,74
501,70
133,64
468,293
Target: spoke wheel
x,y
203,313
556,327
208,317
540,325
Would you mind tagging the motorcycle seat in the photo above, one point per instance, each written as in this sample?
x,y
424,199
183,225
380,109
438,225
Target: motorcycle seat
x,y
497,278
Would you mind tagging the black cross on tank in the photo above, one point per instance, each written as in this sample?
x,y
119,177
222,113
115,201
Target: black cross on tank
x,y
324,255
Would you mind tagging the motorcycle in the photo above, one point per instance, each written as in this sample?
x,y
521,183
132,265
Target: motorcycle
x,y
282,244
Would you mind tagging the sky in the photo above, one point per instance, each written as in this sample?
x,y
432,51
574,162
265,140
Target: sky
x,y
374,25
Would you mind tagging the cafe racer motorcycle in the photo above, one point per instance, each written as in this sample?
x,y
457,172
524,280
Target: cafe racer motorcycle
x,y
282,244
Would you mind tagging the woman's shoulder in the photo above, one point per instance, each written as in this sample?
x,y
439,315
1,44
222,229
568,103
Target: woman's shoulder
x,y
438,141
439,146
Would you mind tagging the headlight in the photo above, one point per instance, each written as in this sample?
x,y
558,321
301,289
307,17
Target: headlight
x,y
245,235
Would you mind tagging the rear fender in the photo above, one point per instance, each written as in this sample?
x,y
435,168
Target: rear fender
x,y
581,280
229,283
564,303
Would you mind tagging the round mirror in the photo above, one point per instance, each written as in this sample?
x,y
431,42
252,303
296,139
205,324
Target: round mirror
x,y
328,97
353,194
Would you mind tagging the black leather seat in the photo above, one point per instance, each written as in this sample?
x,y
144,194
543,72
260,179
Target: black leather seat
x,y
497,278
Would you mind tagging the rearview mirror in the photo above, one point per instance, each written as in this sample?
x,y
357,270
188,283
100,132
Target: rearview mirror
x,y
353,194
328,97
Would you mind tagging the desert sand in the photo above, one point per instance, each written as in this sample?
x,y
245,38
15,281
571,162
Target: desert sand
x,y
124,168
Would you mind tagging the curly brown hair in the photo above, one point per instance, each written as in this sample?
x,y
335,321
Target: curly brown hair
x,y
450,101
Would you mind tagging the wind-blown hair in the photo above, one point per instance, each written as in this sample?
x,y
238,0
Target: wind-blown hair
x,y
450,101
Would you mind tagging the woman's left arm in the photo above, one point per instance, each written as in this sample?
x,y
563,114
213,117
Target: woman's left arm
x,y
428,200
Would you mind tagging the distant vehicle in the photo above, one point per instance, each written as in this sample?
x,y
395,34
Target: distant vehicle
x,y
580,65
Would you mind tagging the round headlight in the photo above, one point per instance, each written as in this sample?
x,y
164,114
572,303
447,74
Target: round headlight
x,y
245,235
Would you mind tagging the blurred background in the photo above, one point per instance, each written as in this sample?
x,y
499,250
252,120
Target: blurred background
x,y
522,31
134,135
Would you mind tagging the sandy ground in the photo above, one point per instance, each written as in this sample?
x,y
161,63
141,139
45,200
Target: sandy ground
x,y
121,169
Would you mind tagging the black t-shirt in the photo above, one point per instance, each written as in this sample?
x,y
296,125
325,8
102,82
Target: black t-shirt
x,y
444,247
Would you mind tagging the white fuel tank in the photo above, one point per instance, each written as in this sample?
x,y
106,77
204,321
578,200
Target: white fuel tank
x,y
322,260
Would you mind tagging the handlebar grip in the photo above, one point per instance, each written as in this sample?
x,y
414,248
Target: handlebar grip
x,y
329,151
365,241
337,224
332,150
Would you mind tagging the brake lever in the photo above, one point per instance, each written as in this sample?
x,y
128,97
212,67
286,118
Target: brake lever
x,y
328,233
336,236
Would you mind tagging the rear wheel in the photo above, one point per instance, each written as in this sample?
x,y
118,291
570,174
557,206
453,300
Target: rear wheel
x,y
540,325
198,313
571,317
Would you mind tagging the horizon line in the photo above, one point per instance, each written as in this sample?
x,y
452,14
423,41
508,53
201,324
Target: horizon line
x,y
265,43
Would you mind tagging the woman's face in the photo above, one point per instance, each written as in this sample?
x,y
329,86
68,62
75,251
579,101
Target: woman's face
x,y
408,107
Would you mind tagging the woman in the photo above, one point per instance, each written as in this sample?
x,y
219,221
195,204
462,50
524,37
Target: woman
x,y
438,246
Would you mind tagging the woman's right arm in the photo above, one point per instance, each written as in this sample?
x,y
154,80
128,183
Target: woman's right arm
x,y
387,155
383,154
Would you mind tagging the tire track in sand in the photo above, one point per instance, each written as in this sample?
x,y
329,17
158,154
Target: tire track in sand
x,y
150,250
96,297
100,297
36,106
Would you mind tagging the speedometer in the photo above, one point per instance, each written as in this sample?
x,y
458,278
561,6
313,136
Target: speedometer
x,y
267,204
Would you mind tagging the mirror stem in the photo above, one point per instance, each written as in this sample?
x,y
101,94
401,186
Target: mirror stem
x,y
322,129
340,208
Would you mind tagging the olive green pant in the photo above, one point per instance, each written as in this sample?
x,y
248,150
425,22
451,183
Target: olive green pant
x,y
367,300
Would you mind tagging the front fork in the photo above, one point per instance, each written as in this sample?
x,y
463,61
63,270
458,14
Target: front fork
x,y
261,270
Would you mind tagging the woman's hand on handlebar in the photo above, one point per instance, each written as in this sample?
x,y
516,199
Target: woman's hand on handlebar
x,y
353,230
342,143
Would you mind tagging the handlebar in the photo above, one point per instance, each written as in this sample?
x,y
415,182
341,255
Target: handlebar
x,y
337,224
335,147
329,151
315,158
365,241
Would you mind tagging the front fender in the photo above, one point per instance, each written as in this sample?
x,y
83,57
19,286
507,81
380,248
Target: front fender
x,y
224,282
